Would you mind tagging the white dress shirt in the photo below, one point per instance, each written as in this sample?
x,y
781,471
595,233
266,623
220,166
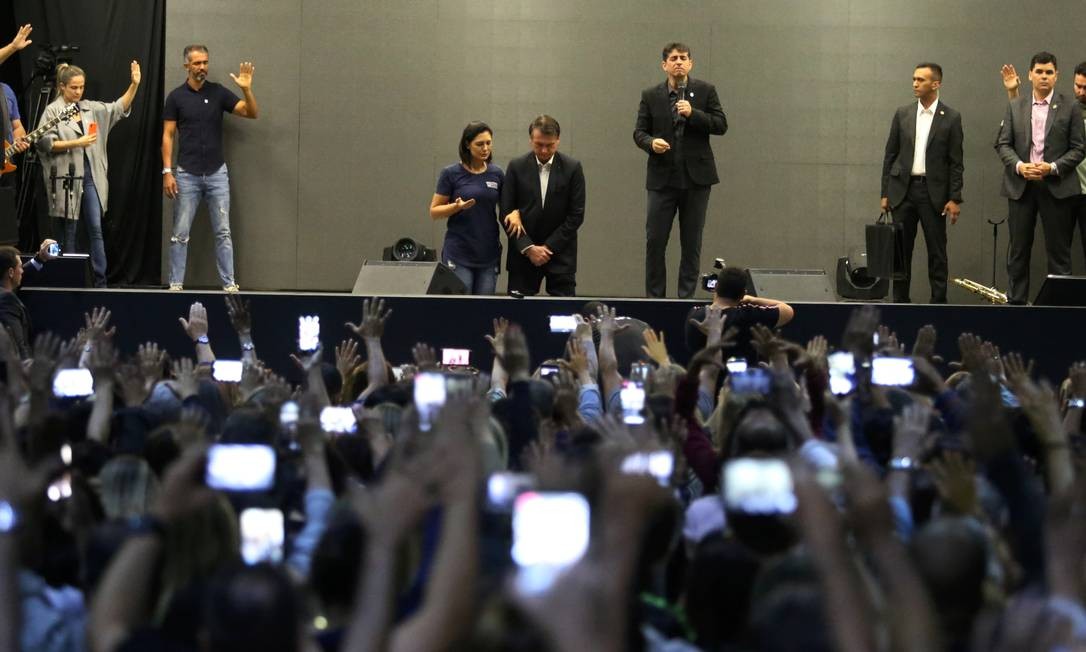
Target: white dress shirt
x,y
924,118
544,179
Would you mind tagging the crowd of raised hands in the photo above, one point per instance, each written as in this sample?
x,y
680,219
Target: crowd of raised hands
x,y
587,502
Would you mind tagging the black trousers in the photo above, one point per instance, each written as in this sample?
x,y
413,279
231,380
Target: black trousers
x,y
528,281
690,203
917,209
1057,225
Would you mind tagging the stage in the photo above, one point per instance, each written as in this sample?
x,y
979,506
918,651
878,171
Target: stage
x,y
1053,336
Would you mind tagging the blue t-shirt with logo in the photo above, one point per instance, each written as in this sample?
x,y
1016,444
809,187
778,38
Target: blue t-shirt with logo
x,y
471,236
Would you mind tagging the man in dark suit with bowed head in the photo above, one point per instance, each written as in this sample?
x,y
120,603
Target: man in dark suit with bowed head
x,y
674,123
922,175
14,317
542,202
1041,142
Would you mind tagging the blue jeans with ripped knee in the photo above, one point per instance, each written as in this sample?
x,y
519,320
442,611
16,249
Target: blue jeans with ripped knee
x,y
191,190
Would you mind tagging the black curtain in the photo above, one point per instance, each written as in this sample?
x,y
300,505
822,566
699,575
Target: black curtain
x,y
110,34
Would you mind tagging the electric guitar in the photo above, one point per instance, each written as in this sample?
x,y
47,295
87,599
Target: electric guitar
x,y
35,136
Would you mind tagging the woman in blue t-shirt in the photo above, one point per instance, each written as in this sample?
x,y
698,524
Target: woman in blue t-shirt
x,y
467,195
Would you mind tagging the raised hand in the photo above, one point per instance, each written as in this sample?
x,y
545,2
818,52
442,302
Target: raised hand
x,y
910,429
888,340
515,358
1010,78
184,372
97,325
655,347
135,72
816,353
497,340
101,362
46,353
347,358
924,347
374,316
955,479
713,321
130,381
425,356
241,318
196,325
22,37
577,362
607,321
151,361
860,331
244,78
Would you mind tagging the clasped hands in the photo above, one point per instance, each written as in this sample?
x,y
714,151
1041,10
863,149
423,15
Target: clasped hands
x,y
1035,171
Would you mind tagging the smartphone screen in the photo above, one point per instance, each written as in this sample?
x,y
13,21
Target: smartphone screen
x,y
548,370
309,332
633,403
503,487
842,372
60,489
563,323
288,414
240,467
455,357
72,383
261,535
339,420
892,371
226,371
753,380
54,249
429,397
658,464
736,365
759,486
640,372
550,533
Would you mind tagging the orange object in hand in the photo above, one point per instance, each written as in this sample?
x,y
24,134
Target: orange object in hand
x,y
92,128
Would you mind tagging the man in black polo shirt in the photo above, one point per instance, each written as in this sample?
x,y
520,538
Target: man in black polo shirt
x,y
196,108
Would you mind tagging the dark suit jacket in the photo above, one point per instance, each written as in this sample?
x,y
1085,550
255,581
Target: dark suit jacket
x,y
1065,144
654,121
555,224
943,158
16,320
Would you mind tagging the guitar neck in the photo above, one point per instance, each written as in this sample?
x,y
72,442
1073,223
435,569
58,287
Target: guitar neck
x,y
36,135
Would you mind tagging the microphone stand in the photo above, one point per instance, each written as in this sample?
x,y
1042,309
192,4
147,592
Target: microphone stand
x,y
995,244
68,185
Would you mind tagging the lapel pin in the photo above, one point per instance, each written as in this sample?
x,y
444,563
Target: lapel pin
x,y
941,112
691,96
1054,107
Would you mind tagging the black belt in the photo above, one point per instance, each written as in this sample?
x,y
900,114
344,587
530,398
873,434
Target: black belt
x,y
919,178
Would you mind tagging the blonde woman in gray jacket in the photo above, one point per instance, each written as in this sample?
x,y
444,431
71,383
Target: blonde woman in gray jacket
x,y
77,146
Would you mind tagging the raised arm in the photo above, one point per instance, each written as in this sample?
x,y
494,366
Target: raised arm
x,y
133,86
610,378
21,40
371,329
246,108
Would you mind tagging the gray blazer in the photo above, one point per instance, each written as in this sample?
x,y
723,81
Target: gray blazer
x,y
1065,144
943,157
106,115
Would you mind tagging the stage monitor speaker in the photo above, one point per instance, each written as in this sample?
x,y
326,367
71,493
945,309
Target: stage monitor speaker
x,y
382,278
9,228
790,284
68,271
1062,291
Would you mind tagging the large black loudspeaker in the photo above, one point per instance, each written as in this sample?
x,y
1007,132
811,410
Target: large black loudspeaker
x,y
790,284
1062,291
382,278
68,271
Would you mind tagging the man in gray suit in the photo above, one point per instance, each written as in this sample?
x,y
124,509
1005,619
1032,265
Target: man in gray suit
x,y
922,174
1041,141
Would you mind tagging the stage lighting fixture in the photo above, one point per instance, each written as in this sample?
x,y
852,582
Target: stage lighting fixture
x,y
409,250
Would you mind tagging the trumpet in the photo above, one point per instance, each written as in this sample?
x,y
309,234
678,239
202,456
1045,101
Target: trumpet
x,y
991,295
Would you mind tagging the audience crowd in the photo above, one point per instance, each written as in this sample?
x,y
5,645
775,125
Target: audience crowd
x,y
943,514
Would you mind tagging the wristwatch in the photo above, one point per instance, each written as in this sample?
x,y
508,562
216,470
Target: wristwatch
x,y
167,170
202,339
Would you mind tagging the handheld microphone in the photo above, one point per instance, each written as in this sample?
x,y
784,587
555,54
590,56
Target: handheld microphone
x,y
53,179
682,98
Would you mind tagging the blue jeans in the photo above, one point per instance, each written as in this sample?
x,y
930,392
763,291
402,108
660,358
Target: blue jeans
x,y
478,280
91,214
191,190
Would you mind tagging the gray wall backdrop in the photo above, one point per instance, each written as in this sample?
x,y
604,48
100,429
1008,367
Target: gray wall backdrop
x,y
362,103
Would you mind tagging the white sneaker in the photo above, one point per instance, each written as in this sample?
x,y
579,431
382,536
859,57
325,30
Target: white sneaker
x,y
233,287
176,287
